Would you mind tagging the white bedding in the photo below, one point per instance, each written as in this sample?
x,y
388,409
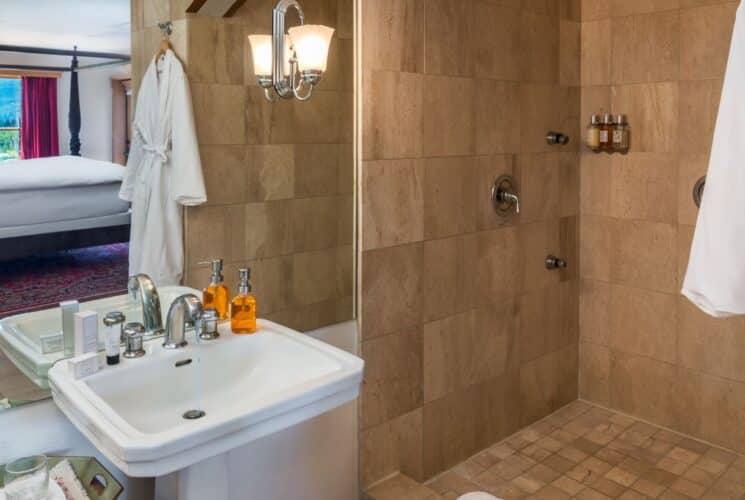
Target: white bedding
x,y
57,172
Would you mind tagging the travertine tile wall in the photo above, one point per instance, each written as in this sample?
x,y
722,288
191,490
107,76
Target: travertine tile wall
x,y
280,177
644,348
466,337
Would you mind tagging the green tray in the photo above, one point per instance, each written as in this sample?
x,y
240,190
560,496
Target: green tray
x,y
96,480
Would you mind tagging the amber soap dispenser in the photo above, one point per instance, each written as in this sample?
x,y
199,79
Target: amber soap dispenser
x,y
243,306
216,294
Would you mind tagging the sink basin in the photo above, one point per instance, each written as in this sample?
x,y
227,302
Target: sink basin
x,y
249,386
20,335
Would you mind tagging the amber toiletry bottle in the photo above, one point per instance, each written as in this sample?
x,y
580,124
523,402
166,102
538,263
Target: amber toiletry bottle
x,y
621,135
216,294
606,133
243,306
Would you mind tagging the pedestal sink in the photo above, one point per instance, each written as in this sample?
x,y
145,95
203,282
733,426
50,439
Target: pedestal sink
x,y
249,386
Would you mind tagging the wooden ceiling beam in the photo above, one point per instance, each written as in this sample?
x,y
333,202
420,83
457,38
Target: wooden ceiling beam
x,y
215,8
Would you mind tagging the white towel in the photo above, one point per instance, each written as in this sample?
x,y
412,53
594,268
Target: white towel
x,y
715,279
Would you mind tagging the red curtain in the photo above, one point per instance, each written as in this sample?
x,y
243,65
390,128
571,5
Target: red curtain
x,y
39,135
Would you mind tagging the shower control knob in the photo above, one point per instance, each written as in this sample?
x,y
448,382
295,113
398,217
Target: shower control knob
x,y
553,262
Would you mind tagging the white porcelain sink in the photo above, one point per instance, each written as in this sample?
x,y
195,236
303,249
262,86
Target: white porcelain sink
x,y
20,335
250,385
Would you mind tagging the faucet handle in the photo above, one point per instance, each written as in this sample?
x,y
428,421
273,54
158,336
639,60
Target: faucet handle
x,y
133,334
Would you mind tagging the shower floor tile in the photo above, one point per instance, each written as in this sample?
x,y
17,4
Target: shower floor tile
x,y
587,452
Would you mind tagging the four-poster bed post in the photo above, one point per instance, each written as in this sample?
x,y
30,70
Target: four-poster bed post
x,y
73,117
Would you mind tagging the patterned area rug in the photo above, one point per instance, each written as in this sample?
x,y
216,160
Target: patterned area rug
x,y
39,282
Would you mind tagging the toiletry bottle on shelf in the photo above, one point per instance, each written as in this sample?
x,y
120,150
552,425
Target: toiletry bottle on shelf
x,y
606,133
621,135
243,306
592,138
216,294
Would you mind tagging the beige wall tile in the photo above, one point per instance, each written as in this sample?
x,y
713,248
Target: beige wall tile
x,y
539,186
220,163
569,173
321,275
570,44
449,196
628,7
449,276
655,108
318,120
644,255
706,39
466,421
540,48
221,233
393,446
643,322
569,247
699,104
595,250
543,325
709,345
216,106
632,392
594,311
315,223
595,184
268,229
448,126
500,264
685,239
595,9
393,376
392,121
448,33
318,169
392,202
643,186
391,289
394,35
594,373
596,52
271,172
537,240
496,40
548,382
646,48
498,116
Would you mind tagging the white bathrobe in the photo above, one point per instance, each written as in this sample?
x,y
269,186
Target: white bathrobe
x,y
715,279
163,173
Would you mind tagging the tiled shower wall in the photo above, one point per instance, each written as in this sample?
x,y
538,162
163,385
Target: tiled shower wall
x,y
644,348
465,335
280,177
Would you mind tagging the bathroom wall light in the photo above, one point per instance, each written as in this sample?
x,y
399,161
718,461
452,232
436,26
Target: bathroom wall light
x,y
280,58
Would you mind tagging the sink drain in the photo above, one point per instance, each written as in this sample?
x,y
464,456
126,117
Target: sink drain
x,y
194,414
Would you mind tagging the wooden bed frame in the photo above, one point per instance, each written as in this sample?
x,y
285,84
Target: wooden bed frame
x,y
25,246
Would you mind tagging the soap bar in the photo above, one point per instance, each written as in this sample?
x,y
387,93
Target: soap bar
x,y
51,342
86,332
83,366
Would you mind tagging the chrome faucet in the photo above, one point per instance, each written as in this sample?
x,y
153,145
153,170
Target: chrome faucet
x,y
149,300
186,308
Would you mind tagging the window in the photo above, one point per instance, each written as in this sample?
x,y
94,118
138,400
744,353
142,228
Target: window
x,y
10,118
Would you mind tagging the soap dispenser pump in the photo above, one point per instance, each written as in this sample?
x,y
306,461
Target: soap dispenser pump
x,y
216,294
243,306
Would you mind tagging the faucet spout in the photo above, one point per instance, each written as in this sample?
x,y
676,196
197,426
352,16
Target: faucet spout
x,y
143,285
186,308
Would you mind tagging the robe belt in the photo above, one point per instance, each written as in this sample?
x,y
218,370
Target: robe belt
x,y
158,151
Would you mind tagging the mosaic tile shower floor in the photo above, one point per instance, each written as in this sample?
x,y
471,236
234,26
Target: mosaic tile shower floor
x,y
590,453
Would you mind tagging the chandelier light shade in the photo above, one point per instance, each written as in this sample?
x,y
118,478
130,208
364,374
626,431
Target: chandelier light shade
x,y
311,43
290,64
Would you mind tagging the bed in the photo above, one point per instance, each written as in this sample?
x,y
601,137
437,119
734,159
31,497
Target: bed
x,y
64,202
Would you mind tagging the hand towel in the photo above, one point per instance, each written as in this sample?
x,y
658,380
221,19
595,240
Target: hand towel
x,y
715,278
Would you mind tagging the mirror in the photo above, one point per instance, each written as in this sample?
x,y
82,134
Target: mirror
x,y
279,176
